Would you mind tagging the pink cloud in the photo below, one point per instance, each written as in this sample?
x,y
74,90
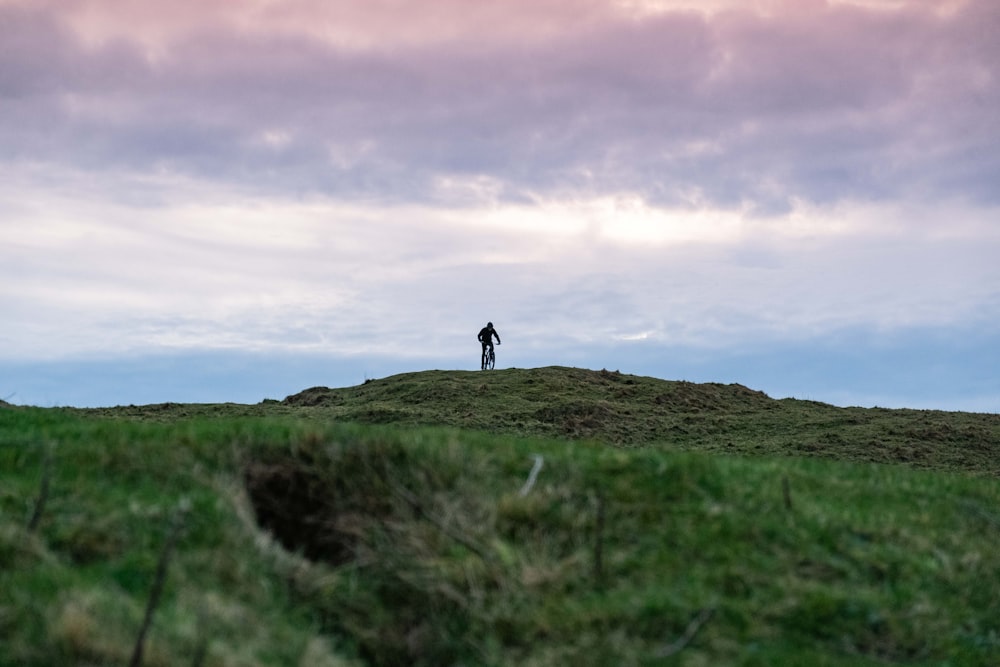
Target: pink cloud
x,y
814,100
390,24
377,24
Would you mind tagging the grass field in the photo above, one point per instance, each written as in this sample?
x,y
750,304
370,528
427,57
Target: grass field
x,y
399,522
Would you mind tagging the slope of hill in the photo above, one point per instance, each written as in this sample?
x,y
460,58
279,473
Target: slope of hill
x,y
337,528
298,541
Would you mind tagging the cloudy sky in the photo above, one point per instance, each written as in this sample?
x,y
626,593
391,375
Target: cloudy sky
x,y
231,200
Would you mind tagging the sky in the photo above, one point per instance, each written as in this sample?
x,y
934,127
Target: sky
x,y
226,200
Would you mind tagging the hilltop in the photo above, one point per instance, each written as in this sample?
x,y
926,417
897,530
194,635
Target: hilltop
x,y
624,410
635,411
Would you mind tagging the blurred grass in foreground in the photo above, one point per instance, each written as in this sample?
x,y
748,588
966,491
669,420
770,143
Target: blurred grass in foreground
x,y
416,546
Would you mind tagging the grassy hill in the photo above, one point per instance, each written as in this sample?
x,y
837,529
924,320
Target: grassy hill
x,y
521,517
632,411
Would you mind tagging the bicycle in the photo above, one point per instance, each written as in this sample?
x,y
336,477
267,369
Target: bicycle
x,y
489,358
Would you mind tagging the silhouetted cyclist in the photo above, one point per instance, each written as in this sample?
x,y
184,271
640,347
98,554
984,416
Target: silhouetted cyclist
x,y
486,335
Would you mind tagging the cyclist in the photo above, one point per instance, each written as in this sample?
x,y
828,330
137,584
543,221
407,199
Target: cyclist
x,y
486,335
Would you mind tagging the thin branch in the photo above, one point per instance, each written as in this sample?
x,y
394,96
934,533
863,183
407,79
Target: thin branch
x,y
201,648
599,540
535,469
43,490
692,629
158,582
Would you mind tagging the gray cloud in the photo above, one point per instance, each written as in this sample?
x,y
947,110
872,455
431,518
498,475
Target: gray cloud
x,y
826,104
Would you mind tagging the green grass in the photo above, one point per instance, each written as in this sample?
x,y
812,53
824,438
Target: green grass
x,y
632,411
311,539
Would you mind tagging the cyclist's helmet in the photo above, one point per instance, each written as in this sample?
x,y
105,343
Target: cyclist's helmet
x,y
489,325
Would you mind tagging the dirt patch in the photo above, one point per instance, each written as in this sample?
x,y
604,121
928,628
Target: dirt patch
x,y
317,504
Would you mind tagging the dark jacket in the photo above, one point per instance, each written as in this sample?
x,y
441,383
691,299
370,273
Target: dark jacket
x,y
486,336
